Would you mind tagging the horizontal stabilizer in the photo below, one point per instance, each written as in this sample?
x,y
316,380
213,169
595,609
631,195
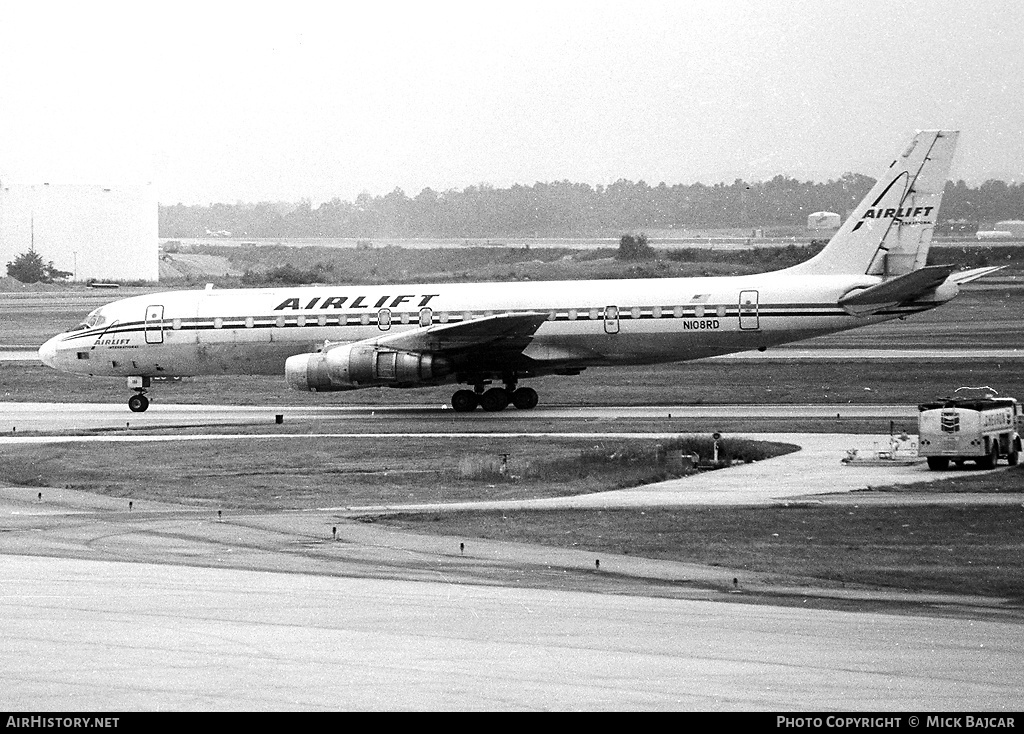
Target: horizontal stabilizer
x,y
896,290
968,276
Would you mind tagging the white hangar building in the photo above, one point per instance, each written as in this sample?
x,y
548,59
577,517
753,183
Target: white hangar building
x,y
824,221
91,231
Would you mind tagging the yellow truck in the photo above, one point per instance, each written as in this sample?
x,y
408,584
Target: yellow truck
x,y
983,430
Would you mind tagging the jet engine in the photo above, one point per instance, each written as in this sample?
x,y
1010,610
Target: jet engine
x,y
353,366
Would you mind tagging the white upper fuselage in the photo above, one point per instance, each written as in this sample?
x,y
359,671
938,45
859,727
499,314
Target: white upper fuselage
x,y
590,323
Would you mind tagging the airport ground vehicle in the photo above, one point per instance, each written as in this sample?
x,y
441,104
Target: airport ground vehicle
x,y
982,430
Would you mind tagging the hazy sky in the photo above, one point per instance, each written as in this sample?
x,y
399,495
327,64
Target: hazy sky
x,y
256,101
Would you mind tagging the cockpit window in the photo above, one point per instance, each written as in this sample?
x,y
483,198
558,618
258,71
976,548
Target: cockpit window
x,y
96,318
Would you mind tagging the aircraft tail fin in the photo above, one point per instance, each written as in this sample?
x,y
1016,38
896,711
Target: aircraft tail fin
x,y
890,231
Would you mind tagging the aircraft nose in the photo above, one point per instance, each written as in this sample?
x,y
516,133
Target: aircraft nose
x,y
48,353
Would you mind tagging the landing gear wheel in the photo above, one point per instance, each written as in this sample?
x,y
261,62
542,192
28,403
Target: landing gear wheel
x,y
525,398
138,403
464,401
495,399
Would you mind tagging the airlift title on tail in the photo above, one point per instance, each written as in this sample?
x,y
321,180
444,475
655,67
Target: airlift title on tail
x,y
357,302
910,211
903,216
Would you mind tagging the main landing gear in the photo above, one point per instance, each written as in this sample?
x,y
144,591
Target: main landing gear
x,y
138,402
494,399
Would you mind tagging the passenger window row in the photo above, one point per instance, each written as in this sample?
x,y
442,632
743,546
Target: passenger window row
x,y
427,317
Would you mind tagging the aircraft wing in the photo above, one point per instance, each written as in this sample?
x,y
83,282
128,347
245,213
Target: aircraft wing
x,y
896,290
502,333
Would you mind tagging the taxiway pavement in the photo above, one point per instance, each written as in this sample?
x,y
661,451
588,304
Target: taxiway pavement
x,y
166,606
106,636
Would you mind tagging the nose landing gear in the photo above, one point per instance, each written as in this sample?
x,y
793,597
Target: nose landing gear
x,y
138,402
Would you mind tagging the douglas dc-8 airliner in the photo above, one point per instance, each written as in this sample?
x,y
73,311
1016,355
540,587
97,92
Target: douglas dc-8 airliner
x,y
329,338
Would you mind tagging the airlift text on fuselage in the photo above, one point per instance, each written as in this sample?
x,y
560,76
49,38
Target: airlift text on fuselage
x,y
295,304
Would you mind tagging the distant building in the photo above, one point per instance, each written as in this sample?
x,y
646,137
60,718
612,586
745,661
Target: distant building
x,y
994,234
824,221
91,231
1014,226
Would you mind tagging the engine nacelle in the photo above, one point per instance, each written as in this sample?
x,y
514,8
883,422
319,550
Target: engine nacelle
x,y
358,365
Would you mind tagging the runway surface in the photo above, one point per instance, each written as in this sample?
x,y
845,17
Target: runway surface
x,y
170,607
176,638
55,417
26,354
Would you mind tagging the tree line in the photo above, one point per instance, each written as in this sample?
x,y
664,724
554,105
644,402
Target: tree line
x,y
566,209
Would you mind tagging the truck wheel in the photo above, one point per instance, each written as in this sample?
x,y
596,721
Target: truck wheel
x,y
938,463
990,461
1013,457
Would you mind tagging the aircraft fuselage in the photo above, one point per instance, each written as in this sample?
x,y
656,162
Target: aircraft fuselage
x,y
590,323
328,338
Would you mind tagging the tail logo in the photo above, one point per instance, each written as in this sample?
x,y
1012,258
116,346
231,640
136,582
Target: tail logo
x,y
910,211
904,217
